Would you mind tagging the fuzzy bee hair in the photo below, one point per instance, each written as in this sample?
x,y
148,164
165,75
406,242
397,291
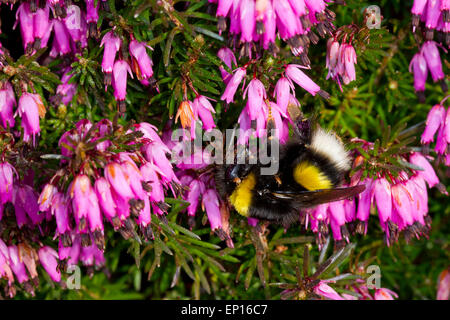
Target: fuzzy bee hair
x,y
330,146
312,165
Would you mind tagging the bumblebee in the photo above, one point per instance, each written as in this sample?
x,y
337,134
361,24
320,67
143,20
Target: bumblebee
x,y
312,165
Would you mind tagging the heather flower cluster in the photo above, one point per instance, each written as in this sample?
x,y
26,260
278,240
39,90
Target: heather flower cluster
x,y
427,60
401,203
432,15
202,194
429,16
192,114
122,191
116,70
18,265
70,25
262,21
340,62
30,108
258,107
438,121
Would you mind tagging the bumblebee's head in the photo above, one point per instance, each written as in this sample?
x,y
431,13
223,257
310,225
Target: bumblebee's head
x,y
228,177
236,172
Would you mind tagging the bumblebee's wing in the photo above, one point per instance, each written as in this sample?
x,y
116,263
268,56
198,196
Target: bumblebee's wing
x,y
312,198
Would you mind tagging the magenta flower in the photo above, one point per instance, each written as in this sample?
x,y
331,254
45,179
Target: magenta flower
x,y
290,22
142,64
432,18
332,57
383,198
65,91
324,290
196,189
92,255
282,92
156,154
210,202
270,27
112,43
418,7
202,108
247,19
299,7
349,61
7,172
150,174
256,96
41,27
30,109
293,73
115,175
119,79
443,292
233,84
261,119
227,56
17,266
73,22
94,215
25,201
92,11
80,190
46,196
252,221
384,294
337,218
431,54
7,103
25,16
315,6
48,258
435,120
70,253
223,7
5,269
364,203
447,126
145,217
105,199
135,179
428,173
401,203
441,143
280,118
61,42
60,210
156,151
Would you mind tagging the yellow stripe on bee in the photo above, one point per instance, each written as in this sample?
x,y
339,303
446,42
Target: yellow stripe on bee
x,y
310,177
241,198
